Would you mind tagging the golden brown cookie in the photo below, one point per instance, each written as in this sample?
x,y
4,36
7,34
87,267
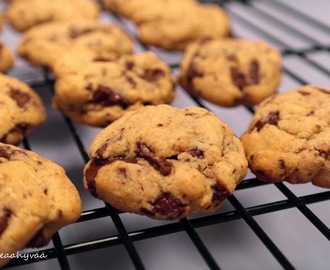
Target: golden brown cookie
x,y
96,89
165,162
230,72
172,24
25,14
21,110
36,200
289,137
42,45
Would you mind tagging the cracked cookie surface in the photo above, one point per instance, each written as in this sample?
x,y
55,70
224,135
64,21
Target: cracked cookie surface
x,y
172,24
25,14
97,89
231,72
289,137
36,200
165,162
42,45
21,110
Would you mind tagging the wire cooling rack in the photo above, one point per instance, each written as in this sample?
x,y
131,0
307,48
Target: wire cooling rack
x,y
261,226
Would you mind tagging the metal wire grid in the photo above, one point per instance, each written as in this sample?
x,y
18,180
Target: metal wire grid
x,y
248,214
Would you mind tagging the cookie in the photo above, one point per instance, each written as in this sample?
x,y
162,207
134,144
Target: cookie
x,y
42,45
165,163
97,89
230,72
289,137
172,24
23,15
6,58
21,110
36,200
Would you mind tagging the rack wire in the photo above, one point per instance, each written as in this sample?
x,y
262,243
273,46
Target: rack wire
x,y
243,15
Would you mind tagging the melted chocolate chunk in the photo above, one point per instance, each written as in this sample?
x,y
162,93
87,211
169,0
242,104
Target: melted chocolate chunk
x,y
19,130
39,240
193,73
152,75
105,96
4,152
238,78
254,72
167,205
220,193
160,164
197,153
95,165
129,65
281,164
325,154
272,119
4,218
20,98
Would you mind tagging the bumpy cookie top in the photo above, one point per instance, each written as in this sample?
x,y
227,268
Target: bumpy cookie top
x,y
289,137
6,58
96,89
21,110
36,200
42,45
24,14
165,162
172,24
230,72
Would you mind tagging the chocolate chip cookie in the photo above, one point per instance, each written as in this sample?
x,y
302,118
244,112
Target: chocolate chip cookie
x,y
23,15
42,45
230,72
289,137
36,200
96,89
172,24
21,110
165,162
6,58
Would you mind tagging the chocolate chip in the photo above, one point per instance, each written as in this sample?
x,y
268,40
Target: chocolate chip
x,y
220,193
281,164
95,165
20,97
101,150
238,78
152,75
102,59
192,73
254,72
168,205
18,131
4,153
105,96
4,218
160,164
231,57
197,153
130,80
325,154
272,119
129,65
38,240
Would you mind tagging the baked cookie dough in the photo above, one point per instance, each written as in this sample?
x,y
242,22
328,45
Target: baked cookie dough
x,y
165,163
6,58
172,24
21,110
42,45
36,200
289,137
22,15
97,89
230,72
